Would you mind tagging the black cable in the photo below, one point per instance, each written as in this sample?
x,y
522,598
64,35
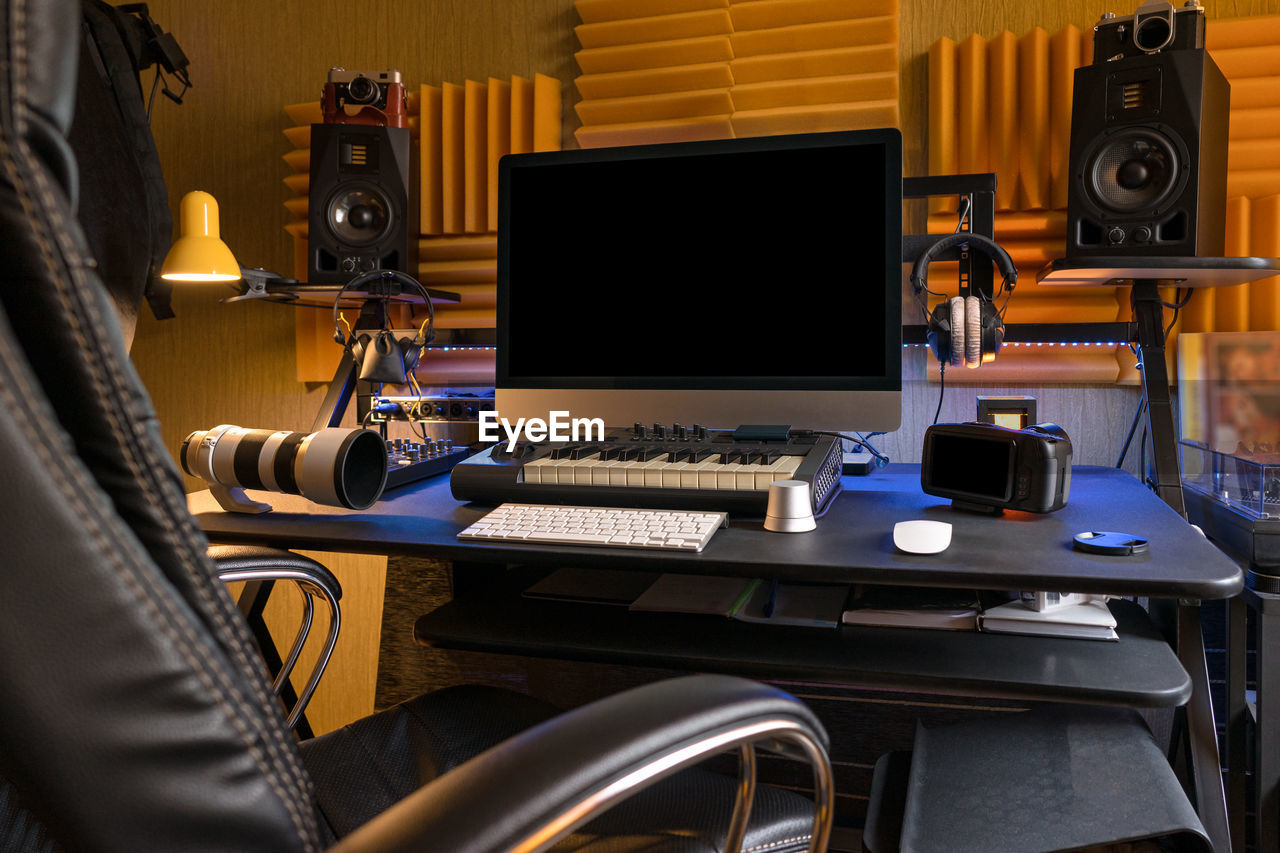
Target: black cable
x,y
865,441
1142,460
942,388
1133,427
1184,299
881,459
151,101
1176,306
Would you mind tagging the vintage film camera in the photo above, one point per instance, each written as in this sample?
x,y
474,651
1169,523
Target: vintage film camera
x,y
988,467
1155,26
364,97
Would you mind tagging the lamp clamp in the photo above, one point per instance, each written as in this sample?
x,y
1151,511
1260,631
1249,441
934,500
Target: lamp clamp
x,y
254,283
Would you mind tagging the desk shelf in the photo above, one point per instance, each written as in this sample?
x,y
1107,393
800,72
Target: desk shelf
x,y
1138,670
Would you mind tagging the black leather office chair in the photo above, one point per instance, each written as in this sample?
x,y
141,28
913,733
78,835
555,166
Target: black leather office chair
x,y
134,711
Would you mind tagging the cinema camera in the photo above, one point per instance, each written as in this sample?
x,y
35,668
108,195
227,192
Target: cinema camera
x,y
364,97
987,467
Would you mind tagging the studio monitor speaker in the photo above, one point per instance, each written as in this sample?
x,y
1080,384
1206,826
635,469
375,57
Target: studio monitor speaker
x,y
1148,171
359,213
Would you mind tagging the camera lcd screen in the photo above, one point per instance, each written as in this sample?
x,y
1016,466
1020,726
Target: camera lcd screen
x,y
976,466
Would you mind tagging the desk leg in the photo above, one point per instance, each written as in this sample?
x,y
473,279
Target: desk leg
x,y
1267,734
1206,768
1237,718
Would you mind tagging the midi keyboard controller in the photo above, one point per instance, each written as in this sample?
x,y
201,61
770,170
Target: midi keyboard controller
x,y
660,467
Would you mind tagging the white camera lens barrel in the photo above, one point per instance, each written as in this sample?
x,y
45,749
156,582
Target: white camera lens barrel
x,y
333,466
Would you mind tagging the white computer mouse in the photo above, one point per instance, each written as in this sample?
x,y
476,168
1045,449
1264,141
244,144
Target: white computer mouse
x,y
922,536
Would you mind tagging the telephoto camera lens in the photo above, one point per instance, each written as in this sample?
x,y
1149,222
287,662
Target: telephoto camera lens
x,y
334,466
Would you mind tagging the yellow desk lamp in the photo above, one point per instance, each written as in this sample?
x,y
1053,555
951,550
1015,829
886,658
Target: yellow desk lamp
x,y
199,255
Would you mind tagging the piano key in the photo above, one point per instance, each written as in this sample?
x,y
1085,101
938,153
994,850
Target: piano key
x,y
533,470
726,476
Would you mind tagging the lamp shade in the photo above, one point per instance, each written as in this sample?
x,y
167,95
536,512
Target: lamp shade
x,y
199,253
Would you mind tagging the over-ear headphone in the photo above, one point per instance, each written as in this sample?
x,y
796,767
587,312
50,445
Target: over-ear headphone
x,y
380,356
964,330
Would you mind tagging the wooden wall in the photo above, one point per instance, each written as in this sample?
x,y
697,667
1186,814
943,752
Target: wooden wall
x,y
235,363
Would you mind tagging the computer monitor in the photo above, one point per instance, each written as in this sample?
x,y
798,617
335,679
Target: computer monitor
x,y
727,282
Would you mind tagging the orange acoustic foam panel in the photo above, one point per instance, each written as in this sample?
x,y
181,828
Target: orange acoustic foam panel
x,y
1003,105
684,70
460,131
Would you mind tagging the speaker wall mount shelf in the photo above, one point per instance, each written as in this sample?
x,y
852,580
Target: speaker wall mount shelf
x,y
1147,275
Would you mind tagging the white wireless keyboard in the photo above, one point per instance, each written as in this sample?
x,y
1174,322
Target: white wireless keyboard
x,y
669,530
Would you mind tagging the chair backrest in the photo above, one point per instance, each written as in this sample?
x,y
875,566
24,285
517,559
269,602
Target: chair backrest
x,y
136,712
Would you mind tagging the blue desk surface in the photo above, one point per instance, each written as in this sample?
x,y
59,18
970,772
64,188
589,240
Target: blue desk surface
x,y
853,541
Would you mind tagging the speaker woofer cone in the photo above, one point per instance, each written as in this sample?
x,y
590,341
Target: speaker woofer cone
x,y
358,215
1133,170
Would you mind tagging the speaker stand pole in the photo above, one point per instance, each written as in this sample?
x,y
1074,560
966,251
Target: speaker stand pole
x,y
1148,314
372,316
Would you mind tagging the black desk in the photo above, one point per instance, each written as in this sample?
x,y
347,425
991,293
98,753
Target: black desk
x,y
853,543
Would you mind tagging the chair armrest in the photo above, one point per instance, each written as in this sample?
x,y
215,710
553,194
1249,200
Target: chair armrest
x,y
259,563
278,563
537,787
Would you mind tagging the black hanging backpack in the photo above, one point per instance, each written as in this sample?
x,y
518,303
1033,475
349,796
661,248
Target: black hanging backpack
x,y
123,203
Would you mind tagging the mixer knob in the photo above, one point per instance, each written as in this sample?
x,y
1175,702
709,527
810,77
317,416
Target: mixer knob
x,y
659,432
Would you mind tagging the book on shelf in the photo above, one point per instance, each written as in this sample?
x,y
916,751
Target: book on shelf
x,y
1091,620
592,586
673,593
801,604
913,607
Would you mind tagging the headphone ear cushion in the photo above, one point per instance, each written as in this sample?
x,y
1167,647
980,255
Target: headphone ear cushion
x,y
958,351
938,332
358,343
410,351
993,334
972,331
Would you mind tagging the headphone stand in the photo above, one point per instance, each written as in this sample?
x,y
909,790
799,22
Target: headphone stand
x,y
373,315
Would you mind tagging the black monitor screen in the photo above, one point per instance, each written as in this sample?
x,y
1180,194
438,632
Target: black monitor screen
x,y
764,263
